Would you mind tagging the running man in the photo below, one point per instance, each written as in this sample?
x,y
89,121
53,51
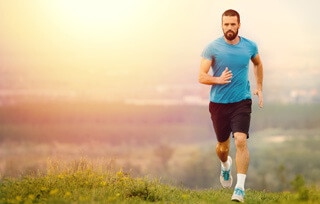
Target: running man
x,y
230,96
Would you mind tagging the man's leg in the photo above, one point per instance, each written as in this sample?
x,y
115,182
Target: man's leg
x,y
222,150
242,164
242,153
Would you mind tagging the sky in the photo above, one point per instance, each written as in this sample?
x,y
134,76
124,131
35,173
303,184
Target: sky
x,y
94,44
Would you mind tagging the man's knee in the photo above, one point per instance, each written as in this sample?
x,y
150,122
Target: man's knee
x,y
223,147
240,139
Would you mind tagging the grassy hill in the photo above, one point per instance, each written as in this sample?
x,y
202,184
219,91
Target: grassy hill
x,y
82,184
174,143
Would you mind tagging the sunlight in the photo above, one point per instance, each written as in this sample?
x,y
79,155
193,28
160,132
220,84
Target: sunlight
x,y
87,37
96,17
95,12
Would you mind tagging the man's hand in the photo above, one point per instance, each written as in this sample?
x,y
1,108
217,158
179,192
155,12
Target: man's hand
x,y
225,77
260,97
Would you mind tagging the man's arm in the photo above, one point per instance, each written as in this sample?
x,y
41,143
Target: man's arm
x,y
205,78
258,73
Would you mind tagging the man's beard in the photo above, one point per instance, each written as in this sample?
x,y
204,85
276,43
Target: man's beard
x,y
230,35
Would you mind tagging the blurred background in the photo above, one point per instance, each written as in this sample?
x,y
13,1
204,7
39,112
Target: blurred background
x,y
115,82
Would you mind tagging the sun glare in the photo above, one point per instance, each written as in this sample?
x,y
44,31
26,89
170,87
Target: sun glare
x,y
88,35
90,12
95,16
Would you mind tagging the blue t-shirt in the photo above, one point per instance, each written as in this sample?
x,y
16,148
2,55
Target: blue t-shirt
x,y
236,58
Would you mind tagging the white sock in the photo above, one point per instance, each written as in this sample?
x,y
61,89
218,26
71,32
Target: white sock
x,y
225,165
241,178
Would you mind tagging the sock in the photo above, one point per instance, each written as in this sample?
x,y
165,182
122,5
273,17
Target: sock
x,y
225,165
241,178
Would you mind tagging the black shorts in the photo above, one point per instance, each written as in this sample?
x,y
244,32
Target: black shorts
x,y
230,118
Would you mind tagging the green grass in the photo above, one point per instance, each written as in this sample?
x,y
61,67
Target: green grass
x,y
83,184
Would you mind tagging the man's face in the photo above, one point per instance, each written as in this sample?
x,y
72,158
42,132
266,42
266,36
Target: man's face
x,y
230,27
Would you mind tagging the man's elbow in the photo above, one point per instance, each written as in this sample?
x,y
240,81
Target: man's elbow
x,y
201,79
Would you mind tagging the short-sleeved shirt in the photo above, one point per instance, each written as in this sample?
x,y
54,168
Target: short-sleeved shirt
x,y
236,58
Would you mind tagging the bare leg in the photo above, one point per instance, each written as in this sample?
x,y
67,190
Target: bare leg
x,y
222,150
242,153
242,164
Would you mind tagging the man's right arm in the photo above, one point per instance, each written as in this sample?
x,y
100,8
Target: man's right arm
x,y
205,78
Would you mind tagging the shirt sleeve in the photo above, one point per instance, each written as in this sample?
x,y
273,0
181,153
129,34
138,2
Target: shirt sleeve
x,y
207,53
254,50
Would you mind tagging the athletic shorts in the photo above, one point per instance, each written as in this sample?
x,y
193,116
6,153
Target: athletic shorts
x,y
230,118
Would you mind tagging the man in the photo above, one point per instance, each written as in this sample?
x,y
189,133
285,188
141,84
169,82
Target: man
x,y
230,96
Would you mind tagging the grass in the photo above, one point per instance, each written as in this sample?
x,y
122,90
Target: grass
x,y
80,182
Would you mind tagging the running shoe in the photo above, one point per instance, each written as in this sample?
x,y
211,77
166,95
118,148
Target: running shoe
x,y
225,176
238,195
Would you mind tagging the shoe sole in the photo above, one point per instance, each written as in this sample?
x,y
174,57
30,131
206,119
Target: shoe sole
x,y
237,199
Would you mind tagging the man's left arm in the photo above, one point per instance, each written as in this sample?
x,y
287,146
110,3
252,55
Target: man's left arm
x,y
258,73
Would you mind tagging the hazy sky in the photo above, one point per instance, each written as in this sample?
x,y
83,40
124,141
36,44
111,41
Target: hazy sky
x,y
80,43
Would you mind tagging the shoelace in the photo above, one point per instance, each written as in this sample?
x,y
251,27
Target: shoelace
x,y
239,191
226,175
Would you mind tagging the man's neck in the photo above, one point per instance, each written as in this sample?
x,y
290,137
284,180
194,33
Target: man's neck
x,y
232,42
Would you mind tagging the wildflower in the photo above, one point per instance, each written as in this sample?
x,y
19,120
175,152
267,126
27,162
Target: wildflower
x,y
54,191
185,196
19,198
120,174
43,188
67,194
31,197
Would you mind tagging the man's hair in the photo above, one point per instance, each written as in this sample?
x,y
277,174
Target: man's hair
x,y
231,12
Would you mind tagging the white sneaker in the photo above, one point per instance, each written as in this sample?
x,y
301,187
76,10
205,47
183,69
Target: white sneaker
x,y
225,176
238,195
